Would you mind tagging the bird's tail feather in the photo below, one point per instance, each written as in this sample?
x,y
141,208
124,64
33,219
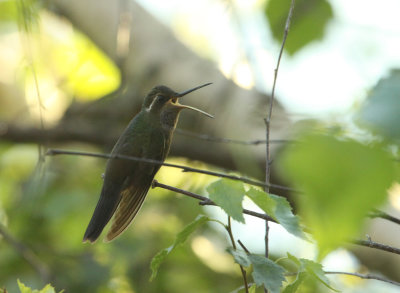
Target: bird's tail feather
x,y
103,212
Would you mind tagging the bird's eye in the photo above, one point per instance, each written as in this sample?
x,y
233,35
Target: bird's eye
x,y
174,100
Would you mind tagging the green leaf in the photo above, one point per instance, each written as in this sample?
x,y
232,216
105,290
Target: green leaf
x,y
228,194
240,257
294,259
341,180
278,208
315,270
311,268
309,21
25,289
181,237
381,110
264,201
48,289
267,273
157,260
292,287
253,288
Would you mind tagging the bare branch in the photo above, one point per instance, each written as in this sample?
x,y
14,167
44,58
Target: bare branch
x,y
206,201
54,152
376,245
268,121
229,230
381,214
243,246
228,140
363,276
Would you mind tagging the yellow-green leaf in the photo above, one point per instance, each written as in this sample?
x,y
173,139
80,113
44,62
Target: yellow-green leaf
x,y
341,181
278,208
228,194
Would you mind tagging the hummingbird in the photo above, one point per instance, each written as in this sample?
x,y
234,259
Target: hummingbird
x,y
126,182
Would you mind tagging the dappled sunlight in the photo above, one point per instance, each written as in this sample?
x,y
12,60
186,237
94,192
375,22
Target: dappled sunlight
x,y
52,65
213,257
394,196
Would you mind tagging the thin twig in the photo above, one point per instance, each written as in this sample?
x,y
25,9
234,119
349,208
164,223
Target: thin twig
x,y
54,152
364,276
376,245
27,254
210,138
244,247
229,230
206,201
381,214
268,121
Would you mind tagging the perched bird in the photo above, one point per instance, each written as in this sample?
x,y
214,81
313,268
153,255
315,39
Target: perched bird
x,y
126,182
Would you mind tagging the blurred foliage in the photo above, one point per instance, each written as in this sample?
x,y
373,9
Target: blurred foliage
x,y
380,112
8,13
309,21
25,289
46,203
341,181
180,239
49,211
47,60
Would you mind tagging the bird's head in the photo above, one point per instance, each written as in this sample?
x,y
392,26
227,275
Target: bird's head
x,y
164,102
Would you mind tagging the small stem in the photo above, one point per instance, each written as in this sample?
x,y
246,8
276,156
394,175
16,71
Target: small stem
x,y
381,214
376,245
229,230
364,276
268,122
244,247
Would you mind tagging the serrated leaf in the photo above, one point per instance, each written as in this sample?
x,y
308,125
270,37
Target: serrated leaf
x,y
315,270
267,273
181,237
278,208
294,259
292,287
380,111
341,180
312,269
264,201
309,21
240,257
228,194
23,288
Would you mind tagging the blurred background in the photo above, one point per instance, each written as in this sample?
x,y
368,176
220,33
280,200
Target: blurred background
x,y
72,75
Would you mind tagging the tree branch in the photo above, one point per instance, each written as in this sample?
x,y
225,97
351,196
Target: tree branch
x,y
54,152
363,276
229,230
228,140
376,245
206,201
268,121
381,214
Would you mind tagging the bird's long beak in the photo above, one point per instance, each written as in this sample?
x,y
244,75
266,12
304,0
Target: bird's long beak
x,y
189,107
